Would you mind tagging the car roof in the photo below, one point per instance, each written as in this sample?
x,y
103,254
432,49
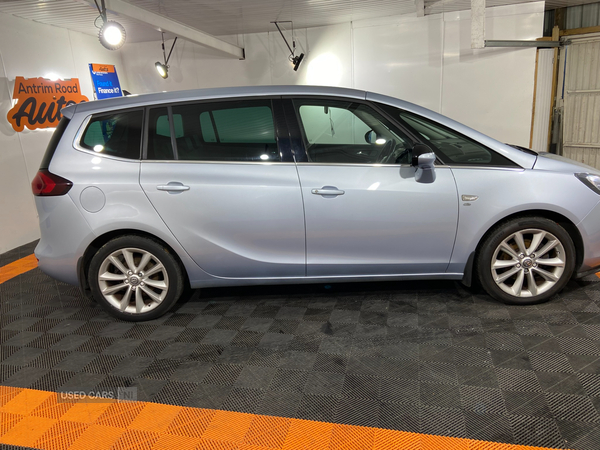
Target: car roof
x,y
523,159
206,94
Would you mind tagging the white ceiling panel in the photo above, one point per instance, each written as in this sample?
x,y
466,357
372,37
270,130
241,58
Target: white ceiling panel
x,y
76,15
230,17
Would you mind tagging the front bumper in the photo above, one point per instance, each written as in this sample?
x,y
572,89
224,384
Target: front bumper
x,y
589,228
587,272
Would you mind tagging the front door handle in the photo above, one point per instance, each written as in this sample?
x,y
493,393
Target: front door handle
x,y
173,186
327,191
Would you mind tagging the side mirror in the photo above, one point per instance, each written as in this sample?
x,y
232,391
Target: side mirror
x,y
423,159
370,137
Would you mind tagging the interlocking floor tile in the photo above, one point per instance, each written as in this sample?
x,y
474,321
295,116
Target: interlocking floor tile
x,y
419,357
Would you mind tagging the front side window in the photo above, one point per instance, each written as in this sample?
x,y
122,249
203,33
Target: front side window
x,y
450,146
350,133
117,134
225,131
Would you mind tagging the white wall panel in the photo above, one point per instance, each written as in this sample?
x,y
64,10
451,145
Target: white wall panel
x,y
30,49
402,59
329,58
491,89
543,100
425,60
18,218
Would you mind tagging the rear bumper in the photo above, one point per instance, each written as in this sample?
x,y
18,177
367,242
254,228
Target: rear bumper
x,y
65,235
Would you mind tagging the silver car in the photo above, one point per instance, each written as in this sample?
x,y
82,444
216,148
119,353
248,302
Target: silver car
x,y
140,196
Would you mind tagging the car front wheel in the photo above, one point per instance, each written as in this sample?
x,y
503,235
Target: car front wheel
x,y
135,278
526,261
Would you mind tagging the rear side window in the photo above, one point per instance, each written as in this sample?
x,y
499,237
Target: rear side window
x,y
117,134
252,125
222,131
160,144
54,140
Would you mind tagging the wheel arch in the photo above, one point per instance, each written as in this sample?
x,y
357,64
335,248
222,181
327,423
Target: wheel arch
x,y
97,243
568,225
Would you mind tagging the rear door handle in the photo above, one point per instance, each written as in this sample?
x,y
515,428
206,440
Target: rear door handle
x,y
327,191
173,186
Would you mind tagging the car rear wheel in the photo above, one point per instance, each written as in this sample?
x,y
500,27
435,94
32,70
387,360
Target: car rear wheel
x,y
135,278
526,261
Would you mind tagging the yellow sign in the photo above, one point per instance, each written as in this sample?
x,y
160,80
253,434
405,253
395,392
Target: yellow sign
x,y
39,102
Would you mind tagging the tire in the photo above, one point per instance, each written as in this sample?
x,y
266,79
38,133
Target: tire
x,y
135,278
510,270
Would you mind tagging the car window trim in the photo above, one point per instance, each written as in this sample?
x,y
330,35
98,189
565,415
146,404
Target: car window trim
x,y
172,131
147,130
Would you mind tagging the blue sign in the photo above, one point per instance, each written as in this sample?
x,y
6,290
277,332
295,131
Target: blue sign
x,y
105,81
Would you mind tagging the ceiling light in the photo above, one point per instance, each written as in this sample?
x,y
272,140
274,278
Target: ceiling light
x,y
295,60
112,34
163,69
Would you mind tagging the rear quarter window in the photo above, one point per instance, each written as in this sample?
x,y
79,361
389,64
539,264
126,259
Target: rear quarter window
x,y
117,134
53,144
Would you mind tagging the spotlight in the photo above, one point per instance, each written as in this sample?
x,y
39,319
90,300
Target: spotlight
x,y
162,69
112,35
296,60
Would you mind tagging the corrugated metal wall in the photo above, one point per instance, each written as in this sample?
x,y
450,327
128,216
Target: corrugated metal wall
x,y
583,16
576,17
581,125
543,99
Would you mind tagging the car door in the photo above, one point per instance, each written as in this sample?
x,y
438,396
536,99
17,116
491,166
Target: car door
x,y
219,175
365,213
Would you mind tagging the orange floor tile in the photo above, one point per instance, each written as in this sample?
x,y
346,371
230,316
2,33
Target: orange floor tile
x,y
17,268
37,419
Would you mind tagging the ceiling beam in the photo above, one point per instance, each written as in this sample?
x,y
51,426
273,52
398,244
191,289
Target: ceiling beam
x,y
436,4
477,23
420,6
179,29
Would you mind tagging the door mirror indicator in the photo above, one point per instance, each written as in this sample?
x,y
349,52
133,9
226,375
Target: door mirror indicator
x,y
423,159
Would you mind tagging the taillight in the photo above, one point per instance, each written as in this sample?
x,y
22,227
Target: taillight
x,y
48,184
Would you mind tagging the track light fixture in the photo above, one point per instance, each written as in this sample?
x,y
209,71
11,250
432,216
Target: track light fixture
x,y
112,34
295,60
163,69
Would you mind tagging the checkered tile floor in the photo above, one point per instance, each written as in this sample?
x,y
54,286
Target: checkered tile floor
x,y
428,357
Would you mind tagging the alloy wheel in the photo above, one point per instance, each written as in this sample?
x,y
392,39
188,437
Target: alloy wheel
x,y
133,280
528,263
